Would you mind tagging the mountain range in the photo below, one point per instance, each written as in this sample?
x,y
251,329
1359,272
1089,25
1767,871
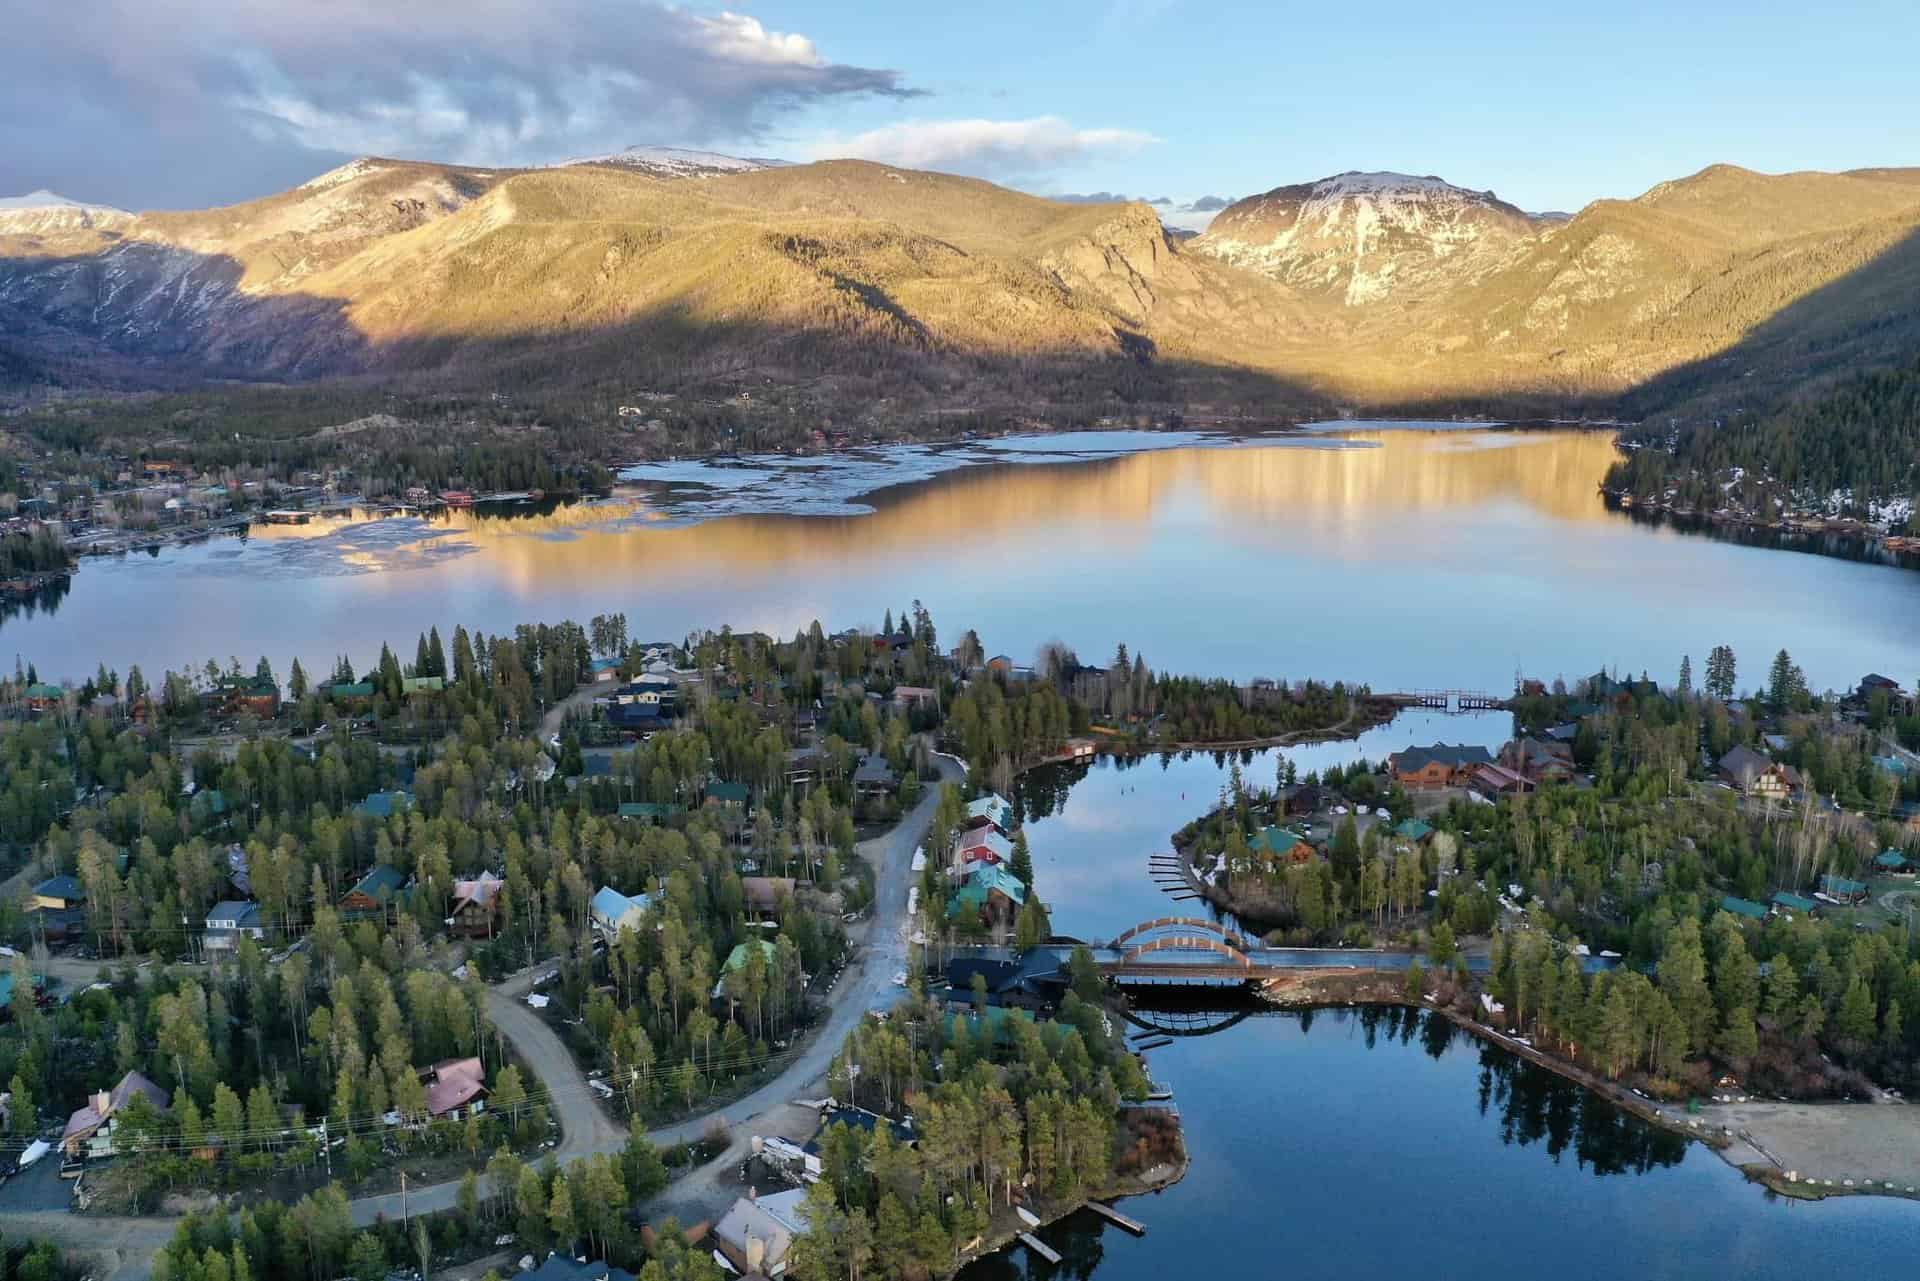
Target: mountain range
x,y
658,267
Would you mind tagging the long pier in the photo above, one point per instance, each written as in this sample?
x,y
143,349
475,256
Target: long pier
x,y
1453,701
1134,1226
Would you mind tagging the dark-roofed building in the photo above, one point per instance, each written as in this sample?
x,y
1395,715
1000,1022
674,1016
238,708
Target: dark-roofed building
x,y
384,804
1442,765
558,1267
89,1130
372,893
874,776
1757,775
455,1087
1539,760
57,908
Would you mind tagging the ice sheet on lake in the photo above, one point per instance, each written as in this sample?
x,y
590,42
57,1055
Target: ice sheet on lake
x,y
693,490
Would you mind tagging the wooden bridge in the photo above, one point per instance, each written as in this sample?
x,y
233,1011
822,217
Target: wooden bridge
x,y
1455,701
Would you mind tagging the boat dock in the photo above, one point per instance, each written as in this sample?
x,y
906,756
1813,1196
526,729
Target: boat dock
x,y
1134,1226
1039,1247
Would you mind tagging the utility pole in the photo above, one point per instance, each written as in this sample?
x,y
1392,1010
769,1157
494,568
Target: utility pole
x,y
403,1196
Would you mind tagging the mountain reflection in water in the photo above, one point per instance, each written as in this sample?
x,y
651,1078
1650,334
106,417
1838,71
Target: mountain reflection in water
x,y
1405,559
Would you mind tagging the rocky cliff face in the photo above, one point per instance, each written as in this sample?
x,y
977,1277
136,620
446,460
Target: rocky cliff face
x,y
1365,237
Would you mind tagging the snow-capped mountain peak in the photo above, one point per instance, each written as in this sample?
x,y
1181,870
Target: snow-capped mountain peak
x,y
1367,235
677,162
43,212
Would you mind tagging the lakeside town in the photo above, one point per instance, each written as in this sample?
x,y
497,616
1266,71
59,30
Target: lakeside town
x,y
570,894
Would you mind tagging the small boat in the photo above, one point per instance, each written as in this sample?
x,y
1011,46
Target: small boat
x,y
35,1150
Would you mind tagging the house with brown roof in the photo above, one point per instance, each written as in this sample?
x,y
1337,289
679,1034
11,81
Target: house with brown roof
x,y
89,1131
1757,775
475,908
1540,760
454,1088
765,894
1442,765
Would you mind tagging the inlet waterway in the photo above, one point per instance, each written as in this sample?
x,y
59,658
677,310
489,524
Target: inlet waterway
x,y
1387,1143
1402,558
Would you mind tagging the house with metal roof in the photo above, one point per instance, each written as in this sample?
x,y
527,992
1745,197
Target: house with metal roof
x,y
372,893
1785,902
613,911
1743,907
475,906
1414,830
384,804
1279,843
229,922
89,1131
990,893
1441,765
756,1234
1893,862
1843,889
991,810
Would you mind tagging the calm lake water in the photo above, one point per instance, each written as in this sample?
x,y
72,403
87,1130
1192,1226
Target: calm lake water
x,y
1402,558
1385,1144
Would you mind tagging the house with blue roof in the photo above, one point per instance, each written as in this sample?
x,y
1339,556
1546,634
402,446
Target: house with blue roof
x,y
613,911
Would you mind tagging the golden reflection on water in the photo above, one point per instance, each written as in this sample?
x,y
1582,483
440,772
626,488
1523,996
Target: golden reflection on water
x,y
1376,481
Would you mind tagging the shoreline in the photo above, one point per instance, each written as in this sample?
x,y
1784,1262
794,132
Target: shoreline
x,y
1007,1228
1352,989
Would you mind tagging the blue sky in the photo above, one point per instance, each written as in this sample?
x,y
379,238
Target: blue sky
x,y
180,102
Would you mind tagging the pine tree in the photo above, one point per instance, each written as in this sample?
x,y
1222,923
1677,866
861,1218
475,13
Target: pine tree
x,y
1686,675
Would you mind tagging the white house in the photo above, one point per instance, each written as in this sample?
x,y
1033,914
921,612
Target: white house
x,y
613,911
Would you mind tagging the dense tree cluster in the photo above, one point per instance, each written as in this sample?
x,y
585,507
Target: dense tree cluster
x,y
1862,438
1005,1108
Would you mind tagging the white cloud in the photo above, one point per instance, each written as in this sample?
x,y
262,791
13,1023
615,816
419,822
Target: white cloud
x,y
983,148
208,95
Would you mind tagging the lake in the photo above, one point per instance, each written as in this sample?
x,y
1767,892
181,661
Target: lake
x,y
1402,558
1386,1143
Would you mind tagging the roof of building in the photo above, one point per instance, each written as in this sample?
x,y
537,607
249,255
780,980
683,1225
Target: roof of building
x,y
62,887
482,889
985,838
610,904
1841,885
558,1267
358,689
1890,858
654,810
455,1083
874,769
1453,756
1792,902
764,1227
599,765
763,893
731,793
1743,907
383,804
1413,829
1743,764
233,914
737,959
1273,840
982,882
992,807
381,881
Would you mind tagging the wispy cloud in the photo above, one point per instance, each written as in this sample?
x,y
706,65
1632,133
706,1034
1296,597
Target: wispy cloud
x,y
999,149
149,87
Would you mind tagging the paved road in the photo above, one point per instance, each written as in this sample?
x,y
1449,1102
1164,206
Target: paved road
x,y
867,984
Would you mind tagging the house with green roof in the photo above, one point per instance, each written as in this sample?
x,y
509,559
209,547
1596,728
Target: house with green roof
x,y
1278,842
1893,862
648,811
372,893
727,795
1786,902
1415,830
991,893
384,804
348,693
1744,907
422,684
1840,887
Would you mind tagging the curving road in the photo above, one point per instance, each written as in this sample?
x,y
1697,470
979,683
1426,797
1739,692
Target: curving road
x,y
866,984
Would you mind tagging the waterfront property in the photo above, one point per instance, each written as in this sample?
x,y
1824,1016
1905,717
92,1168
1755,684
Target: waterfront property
x,y
1442,765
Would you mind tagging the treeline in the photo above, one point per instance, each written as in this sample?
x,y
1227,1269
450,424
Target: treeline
x,y
1862,437
1005,1109
39,552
